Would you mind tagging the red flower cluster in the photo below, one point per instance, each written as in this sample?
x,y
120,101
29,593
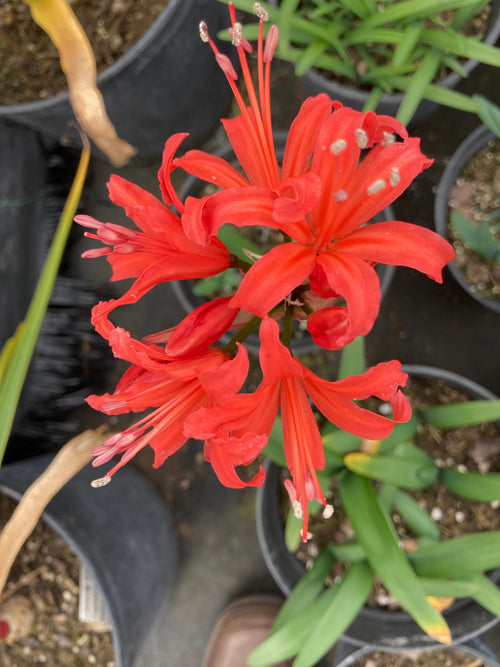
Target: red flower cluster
x,y
340,168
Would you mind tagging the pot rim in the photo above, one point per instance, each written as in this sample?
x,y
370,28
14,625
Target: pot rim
x,y
465,152
173,9
450,81
401,631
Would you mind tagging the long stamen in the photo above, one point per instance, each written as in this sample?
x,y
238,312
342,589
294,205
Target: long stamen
x,y
269,160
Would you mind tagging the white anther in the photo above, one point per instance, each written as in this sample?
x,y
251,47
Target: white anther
x,y
262,15
376,187
236,34
340,195
328,511
308,536
394,178
203,31
297,509
338,146
389,138
102,481
361,138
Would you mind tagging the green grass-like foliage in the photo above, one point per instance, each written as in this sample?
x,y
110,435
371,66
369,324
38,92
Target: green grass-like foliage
x,y
388,47
370,486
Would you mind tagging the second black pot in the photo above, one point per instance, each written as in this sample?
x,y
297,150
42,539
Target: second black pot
x,y
379,629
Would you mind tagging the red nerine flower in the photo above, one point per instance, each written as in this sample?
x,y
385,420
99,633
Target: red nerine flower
x,y
340,168
175,388
160,251
246,421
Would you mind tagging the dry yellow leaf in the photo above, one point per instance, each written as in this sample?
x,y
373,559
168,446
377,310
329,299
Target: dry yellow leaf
x,y
78,64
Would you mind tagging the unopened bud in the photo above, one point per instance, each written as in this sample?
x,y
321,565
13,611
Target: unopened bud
x,y
226,66
272,40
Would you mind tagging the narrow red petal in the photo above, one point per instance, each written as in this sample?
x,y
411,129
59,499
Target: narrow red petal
x,y
303,133
273,277
401,244
356,281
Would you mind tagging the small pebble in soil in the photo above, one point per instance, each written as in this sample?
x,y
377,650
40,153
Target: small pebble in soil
x,y
437,513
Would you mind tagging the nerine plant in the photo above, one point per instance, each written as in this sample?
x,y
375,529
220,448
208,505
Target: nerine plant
x,y
374,479
393,46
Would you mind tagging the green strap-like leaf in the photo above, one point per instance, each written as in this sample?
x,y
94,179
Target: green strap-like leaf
x,y
339,442
448,588
400,433
293,526
352,361
444,96
458,556
288,640
410,10
306,591
489,113
376,535
407,473
415,516
411,34
426,73
20,354
459,45
344,606
456,415
350,552
483,487
487,594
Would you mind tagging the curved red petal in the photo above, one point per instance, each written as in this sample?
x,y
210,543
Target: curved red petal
x,y
383,175
296,197
211,168
167,189
202,327
303,133
401,244
239,206
275,359
223,383
273,277
356,281
382,381
225,454
251,153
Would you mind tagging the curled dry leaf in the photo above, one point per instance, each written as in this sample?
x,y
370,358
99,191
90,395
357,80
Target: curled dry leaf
x,y
78,64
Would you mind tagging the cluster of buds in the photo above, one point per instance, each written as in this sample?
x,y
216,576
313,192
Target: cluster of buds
x,y
340,167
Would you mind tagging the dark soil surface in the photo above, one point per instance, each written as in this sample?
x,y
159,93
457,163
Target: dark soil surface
x,y
29,63
47,573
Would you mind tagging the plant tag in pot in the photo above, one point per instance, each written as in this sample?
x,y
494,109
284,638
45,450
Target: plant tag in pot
x,y
91,609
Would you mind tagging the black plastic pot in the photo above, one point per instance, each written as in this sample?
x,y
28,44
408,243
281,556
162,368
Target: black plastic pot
x,y
346,655
23,205
389,630
315,82
125,537
167,82
465,152
183,289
